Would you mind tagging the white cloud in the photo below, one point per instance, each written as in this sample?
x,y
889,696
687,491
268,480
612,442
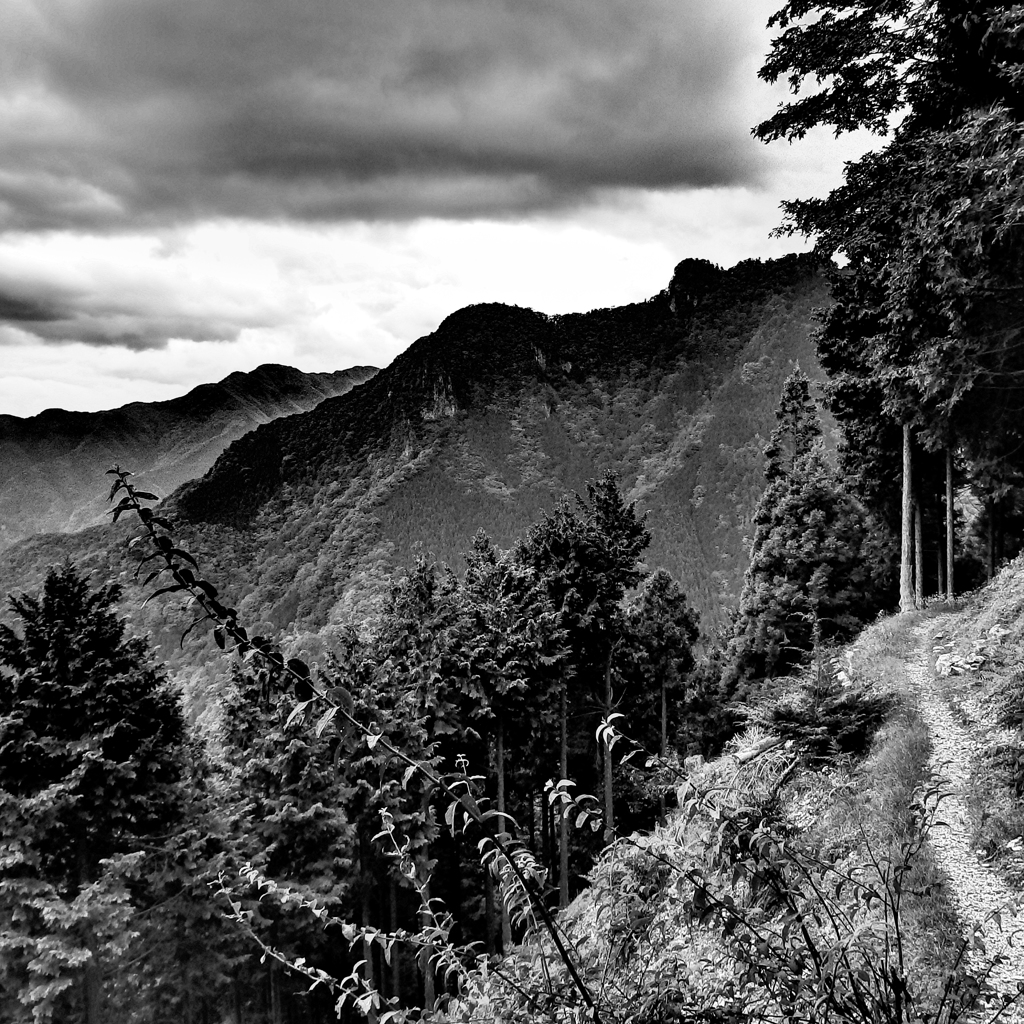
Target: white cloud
x,y
98,319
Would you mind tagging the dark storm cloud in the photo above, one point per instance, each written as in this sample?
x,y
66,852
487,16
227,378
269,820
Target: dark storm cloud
x,y
122,112
138,312
26,311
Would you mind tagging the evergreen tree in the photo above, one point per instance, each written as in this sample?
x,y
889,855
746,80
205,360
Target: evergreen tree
x,y
811,576
924,331
514,653
587,555
90,741
661,632
289,816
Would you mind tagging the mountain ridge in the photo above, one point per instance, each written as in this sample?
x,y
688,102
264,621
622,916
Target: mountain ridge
x,y
486,423
50,460
495,416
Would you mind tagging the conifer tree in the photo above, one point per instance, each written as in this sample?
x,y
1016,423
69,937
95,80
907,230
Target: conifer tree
x,y
513,649
662,630
924,330
289,817
587,555
90,741
810,577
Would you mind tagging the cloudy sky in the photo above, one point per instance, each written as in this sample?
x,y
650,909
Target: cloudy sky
x,y
189,187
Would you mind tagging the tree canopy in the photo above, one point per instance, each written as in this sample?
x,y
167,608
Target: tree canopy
x,y
90,761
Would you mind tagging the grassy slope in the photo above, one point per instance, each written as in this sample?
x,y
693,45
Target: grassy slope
x,y
980,654
631,930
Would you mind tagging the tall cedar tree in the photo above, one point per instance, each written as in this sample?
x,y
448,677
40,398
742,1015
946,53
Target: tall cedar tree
x,y
662,630
810,575
927,316
288,808
514,650
90,742
588,555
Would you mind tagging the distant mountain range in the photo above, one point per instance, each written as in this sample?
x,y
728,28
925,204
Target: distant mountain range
x,y
51,465
483,424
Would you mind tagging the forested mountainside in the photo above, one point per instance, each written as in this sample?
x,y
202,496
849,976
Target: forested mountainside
x,y
495,416
50,463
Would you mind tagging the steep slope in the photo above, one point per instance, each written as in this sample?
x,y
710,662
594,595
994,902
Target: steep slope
x,y
50,464
497,415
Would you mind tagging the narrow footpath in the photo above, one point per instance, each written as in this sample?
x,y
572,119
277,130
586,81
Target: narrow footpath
x,y
974,889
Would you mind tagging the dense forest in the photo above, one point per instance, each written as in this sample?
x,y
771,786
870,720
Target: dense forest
x,y
439,804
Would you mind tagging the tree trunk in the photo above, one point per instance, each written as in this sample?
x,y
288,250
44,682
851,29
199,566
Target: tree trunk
x,y
499,756
426,967
609,794
906,539
1000,532
991,537
950,590
918,557
276,1015
547,821
396,965
663,748
534,845
490,915
369,973
92,986
563,824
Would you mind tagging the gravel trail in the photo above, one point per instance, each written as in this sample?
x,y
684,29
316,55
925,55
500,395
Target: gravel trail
x,y
975,890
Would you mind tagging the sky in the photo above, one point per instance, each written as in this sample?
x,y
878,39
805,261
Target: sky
x,y
193,187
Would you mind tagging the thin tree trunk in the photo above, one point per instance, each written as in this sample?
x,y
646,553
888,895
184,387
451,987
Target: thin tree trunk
x,y
918,557
1000,532
663,748
533,822
547,820
490,915
609,793
369,973
906,539
563,824
426,967
950,589
92,983
940,571
991,537
396,965
238,1000
276,1014
499,755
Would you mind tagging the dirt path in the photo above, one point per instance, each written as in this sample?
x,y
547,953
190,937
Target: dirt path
x,y
975,890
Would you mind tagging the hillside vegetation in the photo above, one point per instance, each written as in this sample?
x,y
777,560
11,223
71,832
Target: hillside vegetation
x,y
481,425
374,836
51,462
500,413
521,787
